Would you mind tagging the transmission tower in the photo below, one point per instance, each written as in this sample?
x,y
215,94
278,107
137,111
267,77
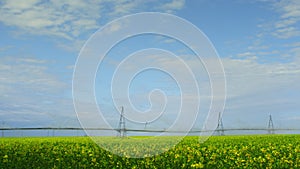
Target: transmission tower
x,y
220,128
146,125
270,125
121,127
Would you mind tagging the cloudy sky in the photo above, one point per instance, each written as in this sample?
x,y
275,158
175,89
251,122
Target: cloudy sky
x,y
258,43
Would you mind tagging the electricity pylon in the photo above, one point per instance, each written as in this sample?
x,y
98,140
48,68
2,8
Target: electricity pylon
x,y
145,125
121,127
270,125
220,128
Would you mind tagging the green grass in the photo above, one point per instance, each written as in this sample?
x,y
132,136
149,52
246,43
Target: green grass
x,y
256,151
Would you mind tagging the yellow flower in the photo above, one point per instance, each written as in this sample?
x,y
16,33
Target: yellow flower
x,y
198,165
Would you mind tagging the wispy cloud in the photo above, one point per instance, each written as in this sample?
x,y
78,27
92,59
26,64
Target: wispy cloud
x,y
246,76
5,48
65,19
29,92
286,26
266,45
71,19
173,5
27,73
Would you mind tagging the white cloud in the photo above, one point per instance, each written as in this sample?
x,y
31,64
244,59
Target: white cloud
x,y
287,32
286,26
124,7
285,21
64,19
27,74
71,19
5,48
30,60
173,5
246,77
276,37
73,46
28,91
291,8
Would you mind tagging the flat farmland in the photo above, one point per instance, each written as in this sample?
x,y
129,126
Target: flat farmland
x,y
252,151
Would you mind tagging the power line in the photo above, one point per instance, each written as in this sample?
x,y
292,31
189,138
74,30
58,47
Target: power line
x,y
141,130
149,131
122,128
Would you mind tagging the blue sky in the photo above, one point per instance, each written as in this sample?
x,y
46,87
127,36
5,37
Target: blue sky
x,y
258,43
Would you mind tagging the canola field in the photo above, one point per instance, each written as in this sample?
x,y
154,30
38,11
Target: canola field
x,y
255,151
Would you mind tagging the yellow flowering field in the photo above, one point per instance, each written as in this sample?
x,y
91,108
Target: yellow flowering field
x,y
255,151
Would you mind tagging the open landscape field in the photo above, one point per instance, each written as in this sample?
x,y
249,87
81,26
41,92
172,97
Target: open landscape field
x,y
109,84
255,151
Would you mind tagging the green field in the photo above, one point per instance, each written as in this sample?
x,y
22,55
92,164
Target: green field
x,y
259,151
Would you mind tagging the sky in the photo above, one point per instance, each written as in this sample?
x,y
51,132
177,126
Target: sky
x,y
258,43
